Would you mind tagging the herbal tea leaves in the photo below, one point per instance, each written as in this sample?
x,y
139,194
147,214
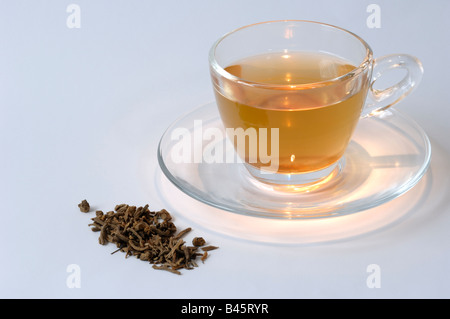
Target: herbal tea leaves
x,y
84,206
150,236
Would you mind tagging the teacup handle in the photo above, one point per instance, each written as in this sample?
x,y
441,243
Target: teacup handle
x,y
380,100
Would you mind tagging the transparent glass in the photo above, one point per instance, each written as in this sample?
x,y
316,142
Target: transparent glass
x,y
313,121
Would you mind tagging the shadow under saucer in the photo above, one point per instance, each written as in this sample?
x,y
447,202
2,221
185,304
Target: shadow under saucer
x,y
292,231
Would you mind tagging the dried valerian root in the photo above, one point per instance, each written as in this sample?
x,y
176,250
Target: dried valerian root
x,y
150,236
208,248
84,206
198,241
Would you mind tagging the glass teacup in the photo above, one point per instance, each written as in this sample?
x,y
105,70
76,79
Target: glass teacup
x,y
291,93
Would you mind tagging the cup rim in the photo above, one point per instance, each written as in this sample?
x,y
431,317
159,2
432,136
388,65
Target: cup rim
x,y
221,71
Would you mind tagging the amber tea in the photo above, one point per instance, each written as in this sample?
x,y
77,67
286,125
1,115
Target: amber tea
x,y
315,114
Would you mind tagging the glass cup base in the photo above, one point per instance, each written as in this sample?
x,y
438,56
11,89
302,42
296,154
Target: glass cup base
x,y
299,180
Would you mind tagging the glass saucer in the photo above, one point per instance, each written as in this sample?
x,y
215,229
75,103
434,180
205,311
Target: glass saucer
x,y
386,157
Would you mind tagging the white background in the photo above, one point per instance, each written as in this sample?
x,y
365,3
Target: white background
x,y
81,114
